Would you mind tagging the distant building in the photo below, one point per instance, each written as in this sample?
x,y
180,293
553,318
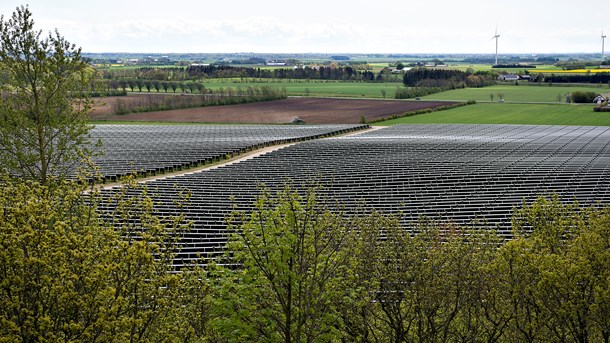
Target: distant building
x,y
508,77
600,98
276,63
400,71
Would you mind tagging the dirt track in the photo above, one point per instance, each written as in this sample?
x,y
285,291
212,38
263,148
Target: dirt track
x,y
310,110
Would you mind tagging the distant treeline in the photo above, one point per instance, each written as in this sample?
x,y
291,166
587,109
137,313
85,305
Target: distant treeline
x,y
574,78
223,96
424,81
198,72
418,77
340,73
510,66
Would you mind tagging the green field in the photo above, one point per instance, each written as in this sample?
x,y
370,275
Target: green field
x,y
524,93
317,88
495,113
512,93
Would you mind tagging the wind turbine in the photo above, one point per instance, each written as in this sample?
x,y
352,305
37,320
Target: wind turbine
x,y
603,41
496,36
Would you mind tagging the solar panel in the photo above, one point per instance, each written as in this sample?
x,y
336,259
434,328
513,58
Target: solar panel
x,y
452,173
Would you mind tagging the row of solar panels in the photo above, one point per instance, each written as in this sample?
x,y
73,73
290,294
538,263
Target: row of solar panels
x,y
452,173
155,149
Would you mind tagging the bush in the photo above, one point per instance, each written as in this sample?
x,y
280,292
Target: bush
x,y
582,97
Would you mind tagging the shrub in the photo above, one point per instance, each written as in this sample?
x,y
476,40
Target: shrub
x,y
601,109
581,97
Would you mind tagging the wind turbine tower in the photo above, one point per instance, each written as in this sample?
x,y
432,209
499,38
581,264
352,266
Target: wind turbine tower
x,y
496,36
603,41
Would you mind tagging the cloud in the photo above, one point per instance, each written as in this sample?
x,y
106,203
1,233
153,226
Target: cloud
x,y
383,33
266,33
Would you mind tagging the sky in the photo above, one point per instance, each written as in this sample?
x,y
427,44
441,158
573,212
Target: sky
x,y
324,26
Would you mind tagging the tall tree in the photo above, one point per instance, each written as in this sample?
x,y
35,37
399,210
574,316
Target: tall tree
x,y
45,100
68,274
290,250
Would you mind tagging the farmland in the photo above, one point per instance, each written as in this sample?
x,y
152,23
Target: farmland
x,y
522,93
524,104
497,113
309,109
318,88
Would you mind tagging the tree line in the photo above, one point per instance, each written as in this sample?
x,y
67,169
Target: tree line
x,y
596,78
297,268
208,97
308,273
425,81
199,72
423,77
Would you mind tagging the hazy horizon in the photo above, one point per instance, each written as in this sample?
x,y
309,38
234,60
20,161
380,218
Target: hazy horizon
x,y
339,27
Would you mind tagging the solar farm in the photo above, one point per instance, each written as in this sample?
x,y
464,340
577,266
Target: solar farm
x,y
462,174
151,149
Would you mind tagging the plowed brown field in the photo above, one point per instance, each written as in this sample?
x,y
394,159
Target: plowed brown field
x,y
310,110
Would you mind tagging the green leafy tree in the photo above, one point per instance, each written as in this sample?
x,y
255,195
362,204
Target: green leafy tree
x,y
123,85
571,261
139,84
68,274
362,320
45,100
290,250
173,85
425,287
165,85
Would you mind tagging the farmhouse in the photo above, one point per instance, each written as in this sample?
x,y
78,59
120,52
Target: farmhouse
x,y
399,71
276,63
600,98
508,77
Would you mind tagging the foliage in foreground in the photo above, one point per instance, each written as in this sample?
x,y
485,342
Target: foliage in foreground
x,y
67,274
298,270
308,274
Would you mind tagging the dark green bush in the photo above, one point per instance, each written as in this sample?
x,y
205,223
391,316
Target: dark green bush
x,y
580,97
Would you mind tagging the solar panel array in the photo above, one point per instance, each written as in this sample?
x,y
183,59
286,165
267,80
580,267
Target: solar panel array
x,y
154,149
454,173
